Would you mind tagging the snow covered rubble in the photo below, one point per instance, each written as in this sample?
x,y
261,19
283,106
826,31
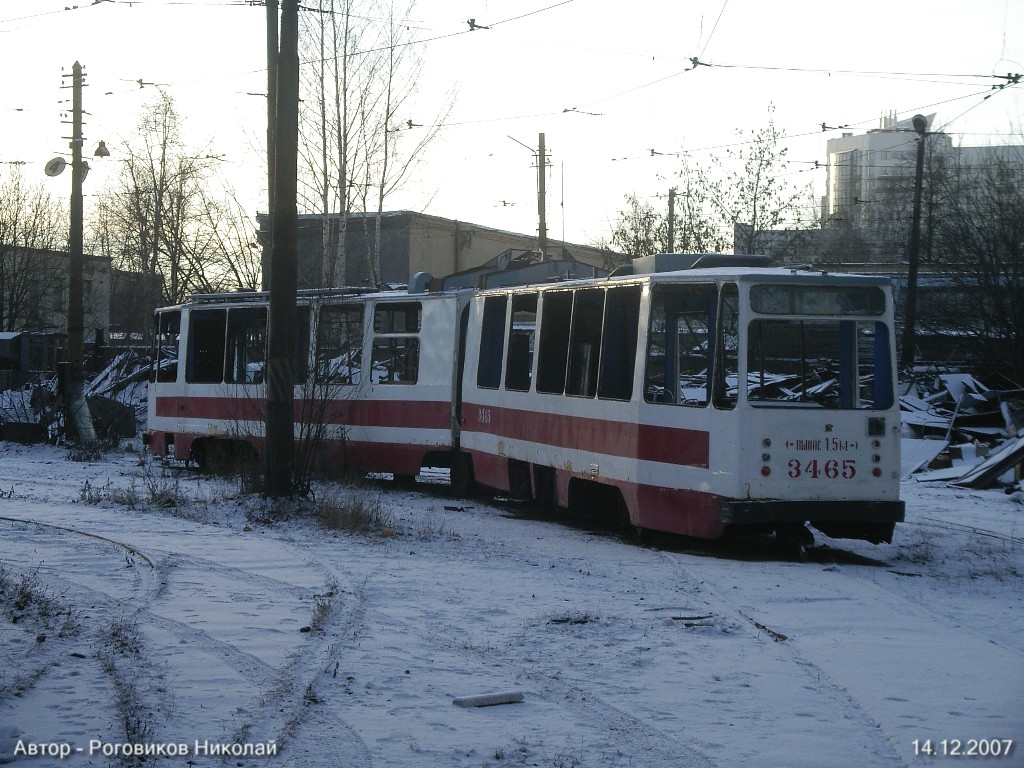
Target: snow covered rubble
x,y
209,624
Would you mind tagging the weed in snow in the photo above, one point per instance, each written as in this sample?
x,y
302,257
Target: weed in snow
x,y
354,513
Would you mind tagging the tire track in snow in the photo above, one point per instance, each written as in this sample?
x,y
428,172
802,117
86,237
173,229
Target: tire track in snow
x,y
52,556
292,698
277,700
306,705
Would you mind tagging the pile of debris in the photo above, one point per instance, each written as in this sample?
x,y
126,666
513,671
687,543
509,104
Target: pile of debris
x,y
981,424
116,398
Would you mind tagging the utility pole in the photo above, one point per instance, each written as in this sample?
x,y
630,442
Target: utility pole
x,y
77,408
672,220
542,230
272,22
910,314
282,321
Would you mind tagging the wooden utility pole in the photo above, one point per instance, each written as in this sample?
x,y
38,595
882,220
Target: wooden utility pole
x,y
272,22
672,220
542,230
79,419
910,313
76,309
282,325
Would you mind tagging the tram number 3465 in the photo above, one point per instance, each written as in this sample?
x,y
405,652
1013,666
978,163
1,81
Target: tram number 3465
x,y
831,469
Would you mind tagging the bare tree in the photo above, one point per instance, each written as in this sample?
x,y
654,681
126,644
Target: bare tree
x,y
732,200
979,249
237,263
696,230
163,219
33,226
639,230
363,74
747,187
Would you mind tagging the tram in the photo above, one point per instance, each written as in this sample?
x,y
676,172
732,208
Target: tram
x,y
691,394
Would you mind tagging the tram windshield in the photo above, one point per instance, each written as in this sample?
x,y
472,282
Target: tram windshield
x,y
840,362
818,347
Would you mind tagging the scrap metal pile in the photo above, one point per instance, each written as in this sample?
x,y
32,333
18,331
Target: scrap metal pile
x,y
116,398
980,424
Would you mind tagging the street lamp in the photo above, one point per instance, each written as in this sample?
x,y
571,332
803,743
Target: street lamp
x,y
910,314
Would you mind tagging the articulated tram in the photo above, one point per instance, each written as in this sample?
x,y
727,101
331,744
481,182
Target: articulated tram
x,y
686,394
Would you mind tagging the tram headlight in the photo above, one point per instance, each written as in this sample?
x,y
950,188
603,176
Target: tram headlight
x,y
766,470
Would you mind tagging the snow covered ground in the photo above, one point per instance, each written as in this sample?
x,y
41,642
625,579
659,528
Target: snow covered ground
x,y
203,625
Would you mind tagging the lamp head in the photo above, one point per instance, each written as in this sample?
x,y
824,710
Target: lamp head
x,y
920,124
101,150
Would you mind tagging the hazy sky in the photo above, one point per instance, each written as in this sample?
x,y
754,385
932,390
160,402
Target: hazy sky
x,y
606,83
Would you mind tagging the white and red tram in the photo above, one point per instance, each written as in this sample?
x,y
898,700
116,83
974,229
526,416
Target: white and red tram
x,y
690,399
373,372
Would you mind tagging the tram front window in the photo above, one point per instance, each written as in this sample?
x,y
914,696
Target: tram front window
x,y
831,363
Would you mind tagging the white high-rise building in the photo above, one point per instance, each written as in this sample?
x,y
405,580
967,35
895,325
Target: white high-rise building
x,y
864,171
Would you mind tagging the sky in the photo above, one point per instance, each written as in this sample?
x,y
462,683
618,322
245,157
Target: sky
x,y
611,86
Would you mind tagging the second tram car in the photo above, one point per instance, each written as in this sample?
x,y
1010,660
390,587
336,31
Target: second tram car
x,y
686,398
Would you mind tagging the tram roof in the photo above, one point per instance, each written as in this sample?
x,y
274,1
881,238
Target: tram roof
x,y
653,269
791,276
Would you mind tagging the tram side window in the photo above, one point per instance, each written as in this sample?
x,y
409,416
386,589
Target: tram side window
x,y
521,334
396,343
618,345
814,363
727,366
585,342
205,358
492,343
553,352
679,345
165,359
246,345
339,344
